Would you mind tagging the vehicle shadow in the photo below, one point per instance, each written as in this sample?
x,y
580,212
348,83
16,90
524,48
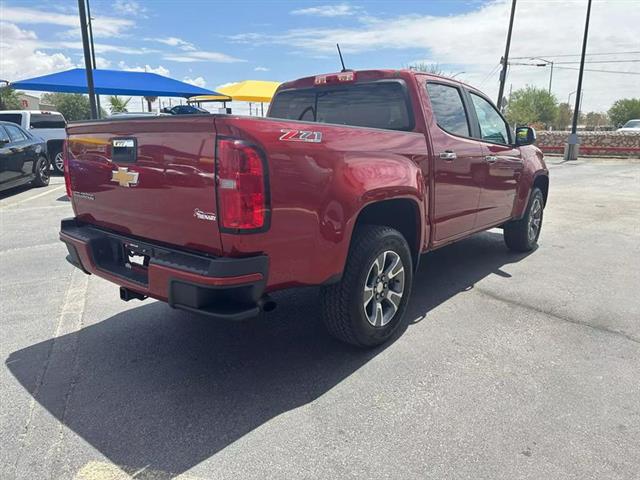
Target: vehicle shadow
x,y
165,389
10,192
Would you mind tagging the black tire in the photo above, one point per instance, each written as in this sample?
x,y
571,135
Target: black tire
x,y
522,235
41,173
343,304
56,161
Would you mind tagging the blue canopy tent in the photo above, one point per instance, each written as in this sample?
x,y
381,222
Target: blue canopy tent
x,y
113,82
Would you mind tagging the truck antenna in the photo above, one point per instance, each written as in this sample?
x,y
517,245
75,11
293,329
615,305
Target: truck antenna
x,y
341,59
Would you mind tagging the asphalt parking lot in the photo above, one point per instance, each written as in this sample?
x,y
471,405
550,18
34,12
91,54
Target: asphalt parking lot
x,y
514,366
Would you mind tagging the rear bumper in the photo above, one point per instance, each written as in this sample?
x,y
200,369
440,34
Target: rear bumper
x,y
225,288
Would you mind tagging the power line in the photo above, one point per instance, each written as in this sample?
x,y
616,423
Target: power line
x,y
576,55
601,71
571,68
571,63
490,74
600,61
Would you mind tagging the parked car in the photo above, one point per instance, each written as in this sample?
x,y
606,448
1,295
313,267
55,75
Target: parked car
x,y
48,125
352,177
632,126
23,158
184,110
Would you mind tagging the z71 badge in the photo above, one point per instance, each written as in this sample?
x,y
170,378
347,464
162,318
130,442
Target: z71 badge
x,y
300,136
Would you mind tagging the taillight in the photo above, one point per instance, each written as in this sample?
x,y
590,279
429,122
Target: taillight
x,y
242,190
67,177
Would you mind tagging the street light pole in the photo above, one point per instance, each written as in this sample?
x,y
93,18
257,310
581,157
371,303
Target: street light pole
x,y
87,59
93,52
505,58
571,149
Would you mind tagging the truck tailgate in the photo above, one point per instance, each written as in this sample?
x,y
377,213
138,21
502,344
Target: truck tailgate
x,y
150,178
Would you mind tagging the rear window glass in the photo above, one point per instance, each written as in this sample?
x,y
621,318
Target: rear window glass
x,y
11,117
448,108
374,105
43,120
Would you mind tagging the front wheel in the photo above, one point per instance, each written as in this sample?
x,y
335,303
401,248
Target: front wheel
x,y
41,173
367,306
522,235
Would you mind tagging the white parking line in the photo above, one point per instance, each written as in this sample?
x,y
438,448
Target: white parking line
x,y
33,197
108,471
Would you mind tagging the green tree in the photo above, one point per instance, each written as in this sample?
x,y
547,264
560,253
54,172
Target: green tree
x,y
624,110
596,119
9,99
74,106
433,68
118,104
564,114
531,105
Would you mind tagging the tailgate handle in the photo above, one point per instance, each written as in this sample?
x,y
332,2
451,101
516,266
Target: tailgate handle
x,y
124,150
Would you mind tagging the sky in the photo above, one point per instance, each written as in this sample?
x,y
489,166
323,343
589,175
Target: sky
x,y
212,43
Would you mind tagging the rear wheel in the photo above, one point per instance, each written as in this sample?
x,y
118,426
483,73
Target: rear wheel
x,y
58,162
367,306
522,235
41,173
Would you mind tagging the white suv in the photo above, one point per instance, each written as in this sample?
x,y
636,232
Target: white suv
x,y
50,126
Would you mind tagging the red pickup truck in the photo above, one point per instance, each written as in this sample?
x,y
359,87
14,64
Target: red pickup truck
x,y
351,177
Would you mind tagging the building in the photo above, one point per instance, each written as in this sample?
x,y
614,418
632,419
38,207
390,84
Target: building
x,y
32,102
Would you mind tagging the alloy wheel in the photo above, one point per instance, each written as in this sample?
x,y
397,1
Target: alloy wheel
x,y
43,170
383,288
59,162
535,219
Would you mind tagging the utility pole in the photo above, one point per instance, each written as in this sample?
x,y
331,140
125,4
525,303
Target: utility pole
x,y
571,148
93,52
87,59
505,58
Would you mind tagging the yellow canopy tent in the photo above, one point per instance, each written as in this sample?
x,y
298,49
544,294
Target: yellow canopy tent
x,y
251,91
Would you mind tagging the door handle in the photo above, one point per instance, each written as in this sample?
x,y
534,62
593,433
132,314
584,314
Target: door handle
x,y
491,158
448,155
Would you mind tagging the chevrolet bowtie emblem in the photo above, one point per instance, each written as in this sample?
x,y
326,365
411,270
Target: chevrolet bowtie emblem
x,y
124,177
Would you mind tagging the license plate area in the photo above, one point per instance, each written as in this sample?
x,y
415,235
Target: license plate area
x,y
136,258
125,259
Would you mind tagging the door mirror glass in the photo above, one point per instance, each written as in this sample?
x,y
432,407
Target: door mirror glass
x,y
3,141
525,136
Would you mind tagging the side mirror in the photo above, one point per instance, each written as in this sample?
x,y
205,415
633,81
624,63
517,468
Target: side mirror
x,y
525,136
3,142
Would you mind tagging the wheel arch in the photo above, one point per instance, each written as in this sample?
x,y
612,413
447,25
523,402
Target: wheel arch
x,y
402,214
541,181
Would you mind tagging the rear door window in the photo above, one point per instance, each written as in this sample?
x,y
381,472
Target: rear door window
x,y
15,133
448,108
47,120
375,105
4,136
11,117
